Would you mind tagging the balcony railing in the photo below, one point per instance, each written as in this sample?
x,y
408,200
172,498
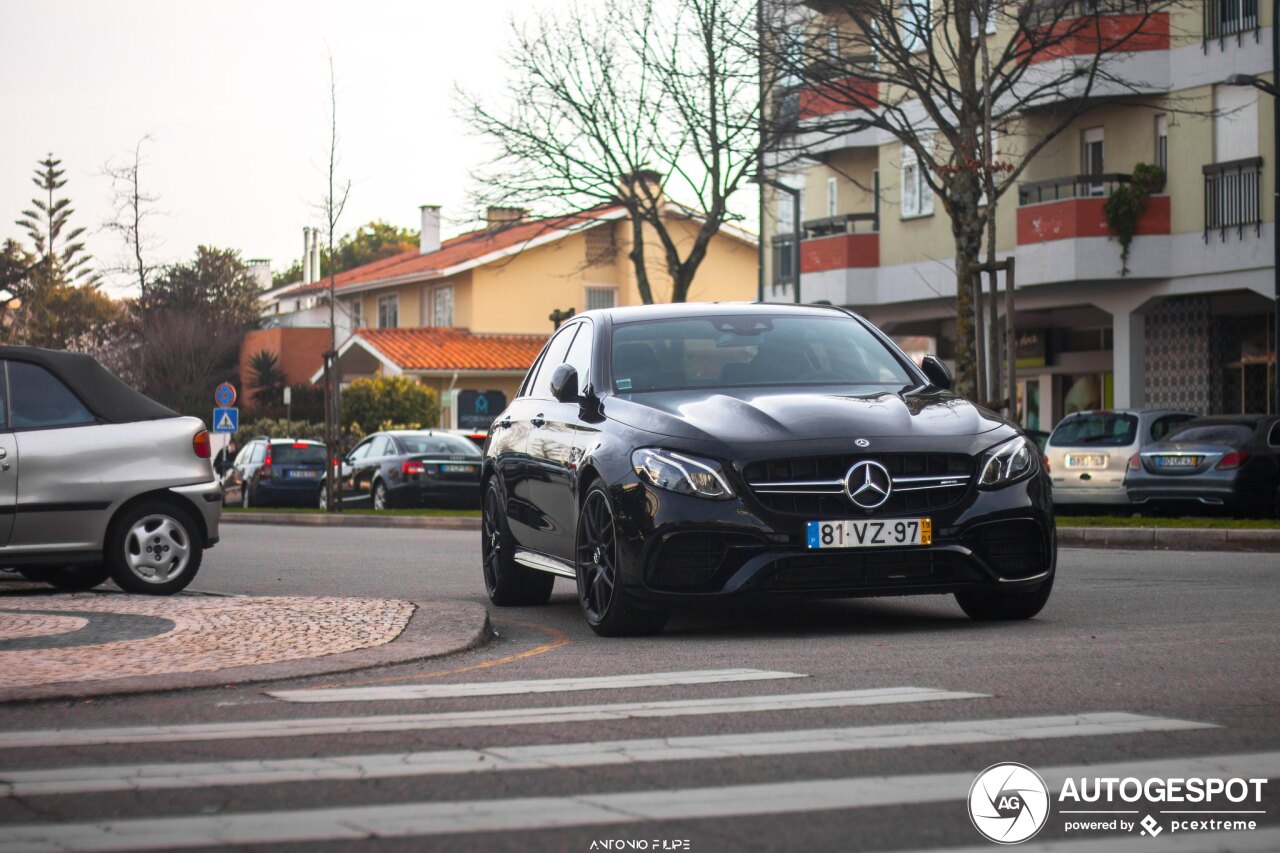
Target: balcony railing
x,y
1233,197
1072,186
1226,18
844,224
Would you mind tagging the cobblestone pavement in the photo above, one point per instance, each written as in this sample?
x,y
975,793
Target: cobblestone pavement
x,y
89,637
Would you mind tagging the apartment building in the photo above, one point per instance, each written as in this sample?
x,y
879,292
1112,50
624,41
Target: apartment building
x,y
1190,325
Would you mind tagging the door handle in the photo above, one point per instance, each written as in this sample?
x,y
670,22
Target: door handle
x,y
538,421
505,423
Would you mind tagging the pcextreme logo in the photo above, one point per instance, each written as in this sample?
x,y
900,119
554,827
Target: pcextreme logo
x,y
1008,803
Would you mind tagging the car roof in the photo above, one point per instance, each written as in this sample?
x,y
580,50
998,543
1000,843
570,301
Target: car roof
x,y
676,310
1229,420
294,441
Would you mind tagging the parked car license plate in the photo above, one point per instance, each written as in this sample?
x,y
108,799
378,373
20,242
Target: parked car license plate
x,y
458,469
880,533
1087,460
1177,461
304,475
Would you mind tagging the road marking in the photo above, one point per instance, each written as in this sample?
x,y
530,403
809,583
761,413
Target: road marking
x,y
560,756
1258,841
405,820
537,685
476,719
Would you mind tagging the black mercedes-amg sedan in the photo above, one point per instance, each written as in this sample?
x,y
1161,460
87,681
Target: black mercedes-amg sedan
x,y
675,454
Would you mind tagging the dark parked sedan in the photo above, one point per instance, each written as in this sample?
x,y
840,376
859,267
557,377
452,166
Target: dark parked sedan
x,y
405,468
1231,462
275,472
664,455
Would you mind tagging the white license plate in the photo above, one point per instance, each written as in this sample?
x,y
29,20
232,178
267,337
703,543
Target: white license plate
x,y
1177,461
1088,460
458,469
881,533
305,475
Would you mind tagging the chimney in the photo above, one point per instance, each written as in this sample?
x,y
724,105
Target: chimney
x,y
315,254
260,271
499,217
306,255
430,239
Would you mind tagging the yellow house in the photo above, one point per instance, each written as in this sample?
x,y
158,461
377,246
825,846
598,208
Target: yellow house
x,y
471,312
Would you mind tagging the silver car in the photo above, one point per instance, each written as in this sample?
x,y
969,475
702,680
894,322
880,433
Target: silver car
x,y
97,480
1088,452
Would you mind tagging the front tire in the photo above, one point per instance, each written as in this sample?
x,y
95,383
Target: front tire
x,y
508,583
154,549
1004,606
608,608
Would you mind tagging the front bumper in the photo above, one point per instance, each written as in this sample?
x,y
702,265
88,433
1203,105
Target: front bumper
x,y
676,548
206,500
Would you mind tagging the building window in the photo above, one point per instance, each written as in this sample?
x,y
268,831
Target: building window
x,y
990,27
916,24
1223,18
833,43
917,196
1092,162
442,306
601,297
389,311
783,262
786,215
355,309
831,198
1162,143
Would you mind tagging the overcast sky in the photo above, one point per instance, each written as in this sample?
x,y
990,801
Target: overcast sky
x,y
235,97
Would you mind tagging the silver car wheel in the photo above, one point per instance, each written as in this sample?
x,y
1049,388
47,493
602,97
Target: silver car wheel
x,y
379,496
157,549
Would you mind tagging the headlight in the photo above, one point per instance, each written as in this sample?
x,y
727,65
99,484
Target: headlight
x,y
679,472
1007,463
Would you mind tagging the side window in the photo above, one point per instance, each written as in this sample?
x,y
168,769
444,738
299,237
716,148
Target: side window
x,y
579,355
1167,424
4,400
362,450
40,400
383,447
258,453
552,358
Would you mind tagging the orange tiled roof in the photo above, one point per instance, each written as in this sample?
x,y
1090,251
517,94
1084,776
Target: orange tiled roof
x,y
457,250
439,348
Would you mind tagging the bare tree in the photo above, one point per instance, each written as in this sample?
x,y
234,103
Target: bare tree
x,y
974,90
331,207
637,104
132,208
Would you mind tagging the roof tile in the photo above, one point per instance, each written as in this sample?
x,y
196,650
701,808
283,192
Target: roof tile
x,y
437,348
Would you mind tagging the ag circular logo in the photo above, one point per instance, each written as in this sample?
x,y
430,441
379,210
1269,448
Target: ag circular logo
x,y
1008,803
868,484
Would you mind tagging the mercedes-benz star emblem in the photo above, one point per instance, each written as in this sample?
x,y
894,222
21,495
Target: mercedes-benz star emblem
x,y
868,484
862,442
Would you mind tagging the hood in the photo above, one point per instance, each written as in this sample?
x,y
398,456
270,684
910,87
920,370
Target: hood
x,y
750,415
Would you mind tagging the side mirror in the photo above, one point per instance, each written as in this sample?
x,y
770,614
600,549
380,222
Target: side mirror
x,y
936,372
564,383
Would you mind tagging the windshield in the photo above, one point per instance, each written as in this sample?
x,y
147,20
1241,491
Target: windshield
x,y
750,350
297,454
450,444
1233,434
1096,429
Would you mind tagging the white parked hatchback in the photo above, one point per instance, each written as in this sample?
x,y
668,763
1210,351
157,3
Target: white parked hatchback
x,y
1088,452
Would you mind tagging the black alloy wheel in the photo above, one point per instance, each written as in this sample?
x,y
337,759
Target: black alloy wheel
x,y
609,610
508,583
1004,606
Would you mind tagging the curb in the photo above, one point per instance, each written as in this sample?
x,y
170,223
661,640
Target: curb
x,y
1170,539
319,519
435,630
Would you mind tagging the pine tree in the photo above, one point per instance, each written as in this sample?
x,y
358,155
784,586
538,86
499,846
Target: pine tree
x,y
62,258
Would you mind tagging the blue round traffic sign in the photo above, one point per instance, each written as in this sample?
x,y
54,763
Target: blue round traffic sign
x,y
225,395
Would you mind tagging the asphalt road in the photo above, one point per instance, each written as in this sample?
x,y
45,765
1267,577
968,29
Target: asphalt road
x,y
1174,639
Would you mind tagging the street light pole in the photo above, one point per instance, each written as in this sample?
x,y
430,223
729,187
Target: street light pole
x,y
1272,89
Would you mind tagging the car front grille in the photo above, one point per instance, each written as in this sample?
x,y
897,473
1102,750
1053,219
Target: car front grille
x,y
813,487
868,570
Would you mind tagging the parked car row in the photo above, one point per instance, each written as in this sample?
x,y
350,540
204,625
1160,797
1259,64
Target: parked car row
x,y
400,468
1166,460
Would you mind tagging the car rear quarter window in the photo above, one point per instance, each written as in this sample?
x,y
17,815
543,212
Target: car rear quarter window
x,y
1096,429
297,454
1166,424
40,400
258,453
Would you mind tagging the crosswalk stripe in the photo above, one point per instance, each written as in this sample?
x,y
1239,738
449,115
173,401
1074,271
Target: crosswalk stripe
x,y
418,819
538,685
475,719
72,780
1257,841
